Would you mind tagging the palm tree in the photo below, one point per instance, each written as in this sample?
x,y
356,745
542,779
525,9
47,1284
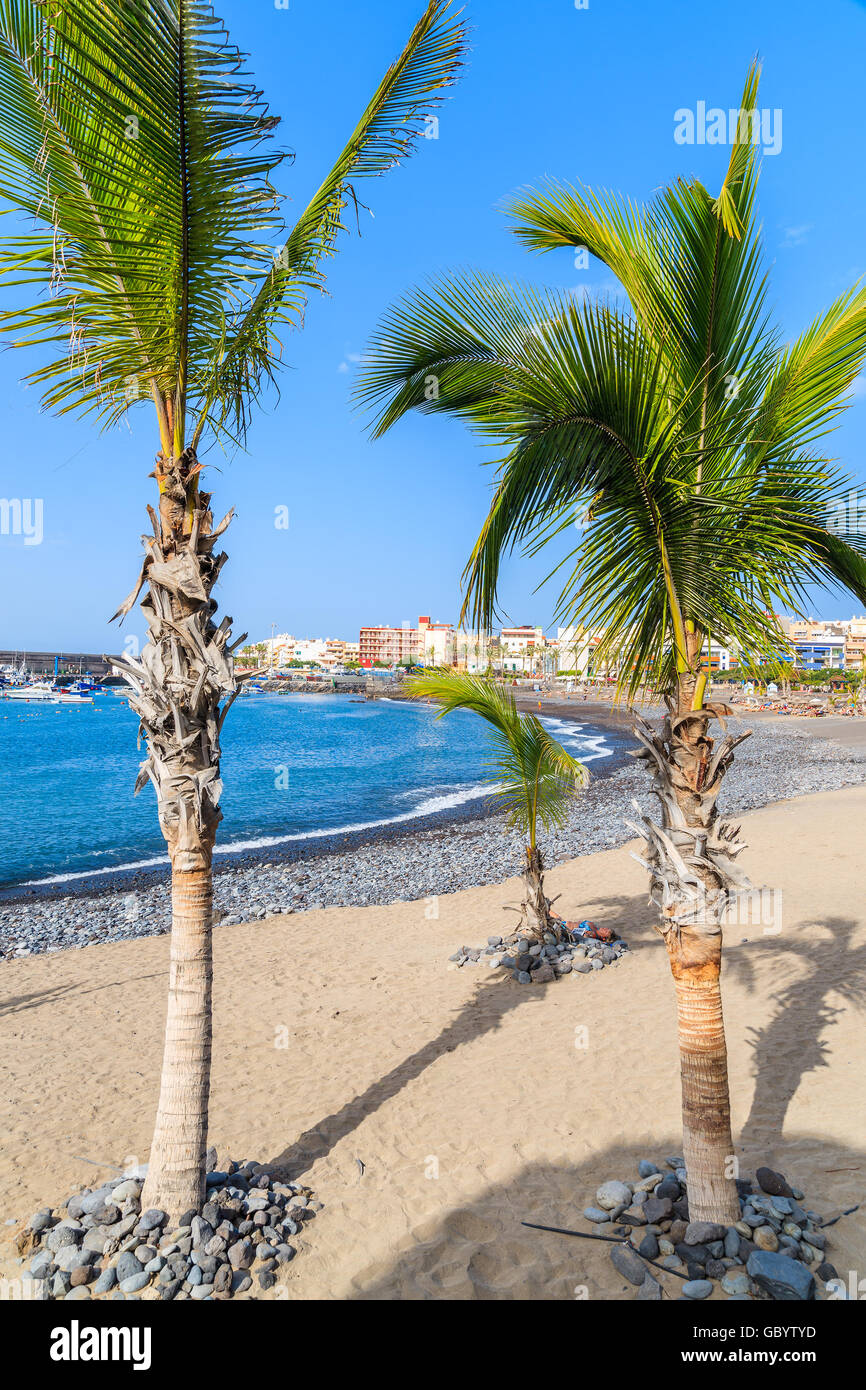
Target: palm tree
x,y
134,139
684,437
534,777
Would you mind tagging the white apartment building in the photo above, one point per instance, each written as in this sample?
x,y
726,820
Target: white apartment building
x,y
522,649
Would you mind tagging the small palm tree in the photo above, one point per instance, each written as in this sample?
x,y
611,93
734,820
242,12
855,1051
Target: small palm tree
x,y
132,136
534,777
681,438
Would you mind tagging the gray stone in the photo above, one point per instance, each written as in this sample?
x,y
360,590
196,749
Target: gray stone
x,y
96,1240
127,1266
657,1208
649,1247
134,1283
628,1263
613,1194
732,1242
595,1214
41,1220
105,1215
647,1168
77,1295
736,1281
241,1254
773,1183
151,1219
106,1280
69,1257
698,1288
780,1277
94,1200
702,1232
64,1234
201,1291
649,1291
765,1238
126,1190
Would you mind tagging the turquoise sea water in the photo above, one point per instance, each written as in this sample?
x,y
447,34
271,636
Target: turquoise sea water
x,y
294,768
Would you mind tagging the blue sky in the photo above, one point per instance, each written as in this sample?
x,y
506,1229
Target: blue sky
x,y
380,532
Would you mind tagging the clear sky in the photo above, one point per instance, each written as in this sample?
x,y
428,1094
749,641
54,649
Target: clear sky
x,y
380,532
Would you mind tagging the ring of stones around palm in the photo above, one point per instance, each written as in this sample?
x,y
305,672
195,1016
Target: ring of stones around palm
x,y
777,1250
540,963
100,1243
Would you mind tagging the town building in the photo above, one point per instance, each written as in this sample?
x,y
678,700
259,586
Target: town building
x,y
522,649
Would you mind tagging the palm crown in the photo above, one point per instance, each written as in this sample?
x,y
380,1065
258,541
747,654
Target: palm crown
x,y
677,434
133,137
533,777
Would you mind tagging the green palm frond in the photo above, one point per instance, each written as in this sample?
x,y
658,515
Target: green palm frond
x,y
674,443
133,138
406,98
533,777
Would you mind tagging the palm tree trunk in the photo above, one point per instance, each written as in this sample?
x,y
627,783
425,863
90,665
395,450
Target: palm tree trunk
x,y
691,858
535,908
175,1178
186,670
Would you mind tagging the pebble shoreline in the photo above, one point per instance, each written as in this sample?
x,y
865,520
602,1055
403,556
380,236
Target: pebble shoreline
x,y
776,763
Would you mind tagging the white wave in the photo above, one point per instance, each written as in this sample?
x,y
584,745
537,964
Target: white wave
x,y
576,739
570,734
428,807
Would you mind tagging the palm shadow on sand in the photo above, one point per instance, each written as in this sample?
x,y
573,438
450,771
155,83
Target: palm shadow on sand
x,y
481,1014
479,1250
802,1013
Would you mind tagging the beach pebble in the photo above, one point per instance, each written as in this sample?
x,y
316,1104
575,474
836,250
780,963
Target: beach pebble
x,y
650,1290
628,1263
134,1283
613,1194
698,1288
781,1277
765,1238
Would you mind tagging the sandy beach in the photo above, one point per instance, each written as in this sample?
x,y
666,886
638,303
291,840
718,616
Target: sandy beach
x,y
464,1097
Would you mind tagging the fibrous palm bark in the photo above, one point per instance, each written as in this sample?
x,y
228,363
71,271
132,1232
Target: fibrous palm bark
x,y
535,906
694,879
182,688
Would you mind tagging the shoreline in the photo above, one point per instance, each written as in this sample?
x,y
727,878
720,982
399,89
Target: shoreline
x,y
420,859
294,849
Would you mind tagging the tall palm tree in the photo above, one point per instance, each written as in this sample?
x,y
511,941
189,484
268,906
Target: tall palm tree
x,y
533,778
682,438
134,139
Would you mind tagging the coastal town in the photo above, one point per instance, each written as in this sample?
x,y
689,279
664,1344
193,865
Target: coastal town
x,y
809,645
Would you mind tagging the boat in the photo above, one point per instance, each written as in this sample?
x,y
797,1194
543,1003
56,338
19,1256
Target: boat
x,y
37,690
42,692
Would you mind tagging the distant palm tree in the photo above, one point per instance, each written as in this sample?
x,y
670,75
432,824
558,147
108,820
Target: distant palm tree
x,y
534,777
681,438
132,136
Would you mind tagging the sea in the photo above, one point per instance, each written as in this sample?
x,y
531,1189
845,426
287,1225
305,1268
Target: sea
x,y
295,769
